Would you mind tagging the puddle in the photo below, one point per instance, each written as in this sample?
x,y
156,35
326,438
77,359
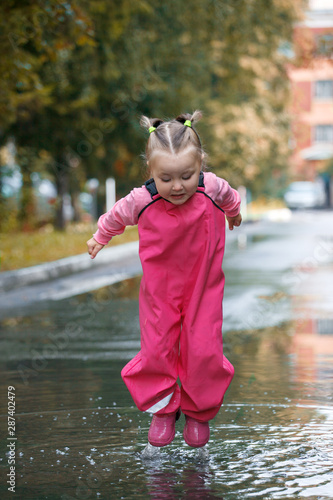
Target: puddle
x,y
80,436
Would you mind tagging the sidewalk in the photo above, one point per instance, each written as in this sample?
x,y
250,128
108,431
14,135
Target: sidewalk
x,y
11,280
34,288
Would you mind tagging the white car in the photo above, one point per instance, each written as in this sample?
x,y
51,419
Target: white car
x,y
305,195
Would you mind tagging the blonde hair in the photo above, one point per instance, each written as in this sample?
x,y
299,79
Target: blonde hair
x,y
172,136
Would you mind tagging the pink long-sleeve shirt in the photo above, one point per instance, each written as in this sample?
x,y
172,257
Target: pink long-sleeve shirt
x,y
126,211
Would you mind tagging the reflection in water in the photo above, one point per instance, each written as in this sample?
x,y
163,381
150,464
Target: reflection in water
x,y
80,436
189,482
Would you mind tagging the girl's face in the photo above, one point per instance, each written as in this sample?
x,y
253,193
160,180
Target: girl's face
x,y
176,175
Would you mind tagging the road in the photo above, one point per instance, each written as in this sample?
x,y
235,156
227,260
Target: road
x,y
79,435
272,263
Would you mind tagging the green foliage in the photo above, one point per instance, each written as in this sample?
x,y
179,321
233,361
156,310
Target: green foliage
x,y
40,102
78,74
248,110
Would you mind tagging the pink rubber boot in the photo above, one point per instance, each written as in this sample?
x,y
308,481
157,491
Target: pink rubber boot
x,y
196,434
162,429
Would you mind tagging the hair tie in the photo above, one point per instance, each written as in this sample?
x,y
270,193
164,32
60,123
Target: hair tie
x,y
151,129
188,123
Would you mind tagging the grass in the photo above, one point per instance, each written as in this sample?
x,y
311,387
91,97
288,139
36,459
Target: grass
x,y
19,250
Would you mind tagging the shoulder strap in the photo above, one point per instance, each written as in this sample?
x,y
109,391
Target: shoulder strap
x,y
151,186
201,180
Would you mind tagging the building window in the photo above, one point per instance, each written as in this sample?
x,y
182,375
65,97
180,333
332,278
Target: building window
x,y
324,133
324,45
324,89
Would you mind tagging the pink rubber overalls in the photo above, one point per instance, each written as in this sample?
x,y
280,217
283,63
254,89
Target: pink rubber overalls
x,y
181,251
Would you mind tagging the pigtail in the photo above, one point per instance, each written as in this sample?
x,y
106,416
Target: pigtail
x,y
184,135
194,118
146,122
156,138
183,117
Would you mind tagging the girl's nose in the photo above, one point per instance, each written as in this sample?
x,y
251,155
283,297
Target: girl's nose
x,y
177,185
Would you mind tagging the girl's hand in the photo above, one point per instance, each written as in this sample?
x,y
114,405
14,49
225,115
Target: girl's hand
x,y
234,221
93,247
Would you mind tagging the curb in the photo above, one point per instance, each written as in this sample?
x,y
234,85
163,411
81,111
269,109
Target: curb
x,y
9,280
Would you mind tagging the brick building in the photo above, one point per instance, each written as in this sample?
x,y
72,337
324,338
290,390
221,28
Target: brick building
x,y
312,97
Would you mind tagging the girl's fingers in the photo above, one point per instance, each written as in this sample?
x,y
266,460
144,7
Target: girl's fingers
x,y
94,252
94,249
91,248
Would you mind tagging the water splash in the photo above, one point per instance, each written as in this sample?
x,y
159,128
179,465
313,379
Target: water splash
x,y
150,452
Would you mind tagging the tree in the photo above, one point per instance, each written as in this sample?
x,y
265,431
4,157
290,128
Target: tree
x,y
37,37
222,57
249,122
83,72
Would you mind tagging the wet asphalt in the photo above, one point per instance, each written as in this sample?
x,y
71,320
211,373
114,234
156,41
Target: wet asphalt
x,y
78,434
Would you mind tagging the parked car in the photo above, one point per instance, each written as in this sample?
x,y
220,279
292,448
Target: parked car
x,y
305,195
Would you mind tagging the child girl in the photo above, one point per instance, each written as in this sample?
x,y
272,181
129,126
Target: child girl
x,y
180,214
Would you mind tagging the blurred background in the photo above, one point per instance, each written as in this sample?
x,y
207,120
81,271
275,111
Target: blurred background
x,y
77,75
